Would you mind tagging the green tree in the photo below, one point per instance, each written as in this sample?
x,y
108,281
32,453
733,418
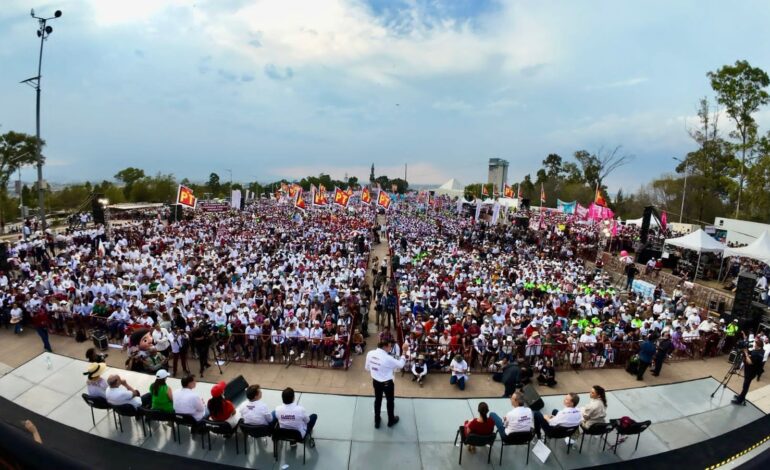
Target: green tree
x,y
214,185
16,149
128,177
740,89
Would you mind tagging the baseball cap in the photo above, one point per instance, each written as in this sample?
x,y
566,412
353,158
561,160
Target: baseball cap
x,y
162,374
219,389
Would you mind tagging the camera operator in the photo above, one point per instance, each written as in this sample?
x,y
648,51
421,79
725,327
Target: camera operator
x,y
752,366
201,340
95,357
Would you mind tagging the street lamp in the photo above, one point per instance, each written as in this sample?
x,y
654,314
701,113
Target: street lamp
x,y
231,176
43,32
684,189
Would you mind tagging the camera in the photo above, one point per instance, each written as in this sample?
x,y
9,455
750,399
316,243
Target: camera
x,y
741,344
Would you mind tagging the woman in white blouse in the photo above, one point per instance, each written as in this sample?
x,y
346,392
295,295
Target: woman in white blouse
x,y
596,409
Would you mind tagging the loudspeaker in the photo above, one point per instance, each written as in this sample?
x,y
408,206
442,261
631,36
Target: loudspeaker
x,y
525,203
744,295
532,398
176,213
96,208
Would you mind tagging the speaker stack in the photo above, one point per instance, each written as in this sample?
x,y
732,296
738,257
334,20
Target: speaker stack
x,y
96,208
744,295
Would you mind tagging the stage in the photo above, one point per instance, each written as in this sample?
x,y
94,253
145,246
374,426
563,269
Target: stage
x,y
684,419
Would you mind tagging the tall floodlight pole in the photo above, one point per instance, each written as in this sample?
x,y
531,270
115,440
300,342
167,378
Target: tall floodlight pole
x,y
43,32
684,189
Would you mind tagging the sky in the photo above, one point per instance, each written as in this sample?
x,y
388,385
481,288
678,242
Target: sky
x,y
273,89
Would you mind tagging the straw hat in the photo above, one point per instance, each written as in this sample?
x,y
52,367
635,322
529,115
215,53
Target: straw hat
x,y
95,370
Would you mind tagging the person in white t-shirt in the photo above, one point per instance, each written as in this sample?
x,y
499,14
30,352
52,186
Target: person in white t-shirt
x,y
459,369
293,416
255,412
188,402
569,417
120,393
519,419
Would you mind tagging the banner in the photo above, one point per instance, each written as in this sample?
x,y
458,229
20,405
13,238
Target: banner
x,y
184,197
459,205
597,212
566,207
341,198
383,200
300,202
478,210
581,212
495,213
366,196
212,206
235,199
508,192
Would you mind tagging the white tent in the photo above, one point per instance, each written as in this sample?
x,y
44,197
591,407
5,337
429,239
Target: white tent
x,y
450,188
699,241
653,222
759,249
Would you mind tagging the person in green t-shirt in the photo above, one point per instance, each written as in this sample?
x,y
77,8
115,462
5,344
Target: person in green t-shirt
x,y
162,398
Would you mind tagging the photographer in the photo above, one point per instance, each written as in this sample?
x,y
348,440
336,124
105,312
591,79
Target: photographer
x,y
201,340
752,366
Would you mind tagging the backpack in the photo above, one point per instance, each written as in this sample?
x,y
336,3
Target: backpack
x,y
625,422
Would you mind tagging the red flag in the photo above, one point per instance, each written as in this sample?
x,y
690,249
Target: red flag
x,y
599,199
350,191
319,199
383,200
542,195
293,191
184,197
366,196
663,220
300,202
484,191
341,198
508,192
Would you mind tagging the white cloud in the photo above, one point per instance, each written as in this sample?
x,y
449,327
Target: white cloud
x,y
629,82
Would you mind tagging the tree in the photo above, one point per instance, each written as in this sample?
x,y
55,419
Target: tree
x,y
739,89
552,165
129,176
16,150
213,184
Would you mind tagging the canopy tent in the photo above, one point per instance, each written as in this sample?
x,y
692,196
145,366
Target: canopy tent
x,y
638,222
759,249
699,241
450,188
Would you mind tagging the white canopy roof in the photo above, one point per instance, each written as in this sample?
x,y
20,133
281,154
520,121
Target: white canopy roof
x,y
653,222
451,188
759,249
699,241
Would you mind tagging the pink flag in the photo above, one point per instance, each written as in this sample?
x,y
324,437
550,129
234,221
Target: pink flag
x,y
614,228
580,211
663,220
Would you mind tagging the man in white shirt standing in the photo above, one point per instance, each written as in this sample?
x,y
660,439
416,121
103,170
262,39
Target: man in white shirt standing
x,y
381,365
519,419
255,412
293,416
188,402
568,417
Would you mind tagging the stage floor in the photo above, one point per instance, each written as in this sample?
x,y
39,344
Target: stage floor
x,y
682,414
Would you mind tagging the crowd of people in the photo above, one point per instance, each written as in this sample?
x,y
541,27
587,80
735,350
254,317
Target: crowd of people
x,y
261,284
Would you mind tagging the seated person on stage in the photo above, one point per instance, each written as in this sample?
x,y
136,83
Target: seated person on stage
x,y
547,374
255,412
220,408
459,369
481,426
596,409
293,416
162,398
419,370
97,386
568,417
120,393
188,402
519,419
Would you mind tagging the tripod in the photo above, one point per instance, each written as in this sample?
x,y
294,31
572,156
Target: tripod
x,y
734,369
214,348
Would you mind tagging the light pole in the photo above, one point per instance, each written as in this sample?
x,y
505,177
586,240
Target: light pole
x,y
231,177
43,32
684,189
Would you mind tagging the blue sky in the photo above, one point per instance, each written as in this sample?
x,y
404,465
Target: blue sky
x,y
285,88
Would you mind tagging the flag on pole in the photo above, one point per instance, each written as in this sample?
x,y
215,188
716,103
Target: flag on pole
x,y
599,199
293,191
300,202
383,199
484,191
542,195
615,228
663,220
495,192
341,198
366,196
319,199
349,191
508,191
185,197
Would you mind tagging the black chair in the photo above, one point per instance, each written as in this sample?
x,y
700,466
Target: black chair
x,y
560,432
635,428
255,431
223,429
129,411
597,429
517,439
477,440
151,415
184,420
99,403
293,436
